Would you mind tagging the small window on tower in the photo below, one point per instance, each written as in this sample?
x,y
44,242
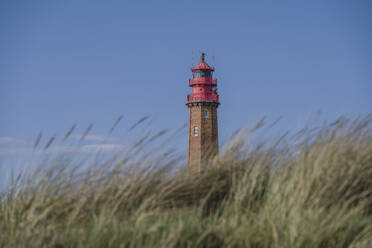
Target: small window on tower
x,y
205,114
196,132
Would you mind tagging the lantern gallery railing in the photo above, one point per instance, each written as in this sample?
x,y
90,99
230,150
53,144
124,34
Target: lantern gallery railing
x,y
210,97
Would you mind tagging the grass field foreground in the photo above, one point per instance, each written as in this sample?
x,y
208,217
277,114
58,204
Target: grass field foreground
x,y
312,189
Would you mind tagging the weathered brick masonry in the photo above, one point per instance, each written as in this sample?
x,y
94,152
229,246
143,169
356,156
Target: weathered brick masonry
x,y
206,143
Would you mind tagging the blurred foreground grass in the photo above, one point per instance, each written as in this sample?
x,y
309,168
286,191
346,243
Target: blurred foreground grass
x,y
313,189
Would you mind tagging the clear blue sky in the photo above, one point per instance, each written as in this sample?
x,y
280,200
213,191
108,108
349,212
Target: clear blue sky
x,y
65,62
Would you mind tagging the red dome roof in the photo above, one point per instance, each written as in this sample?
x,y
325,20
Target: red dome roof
x,y
202,66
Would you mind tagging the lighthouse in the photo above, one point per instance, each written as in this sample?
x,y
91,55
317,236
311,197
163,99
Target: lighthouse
x,y
203,126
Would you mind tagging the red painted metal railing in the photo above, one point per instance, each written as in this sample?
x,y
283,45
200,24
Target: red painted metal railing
x,y
196,81
209,97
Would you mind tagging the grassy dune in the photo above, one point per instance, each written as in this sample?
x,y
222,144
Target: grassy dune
x,y
311,189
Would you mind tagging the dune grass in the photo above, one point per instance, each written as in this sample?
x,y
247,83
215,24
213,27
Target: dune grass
x,y
311,189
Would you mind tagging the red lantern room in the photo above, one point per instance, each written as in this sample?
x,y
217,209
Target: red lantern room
x,y
203,84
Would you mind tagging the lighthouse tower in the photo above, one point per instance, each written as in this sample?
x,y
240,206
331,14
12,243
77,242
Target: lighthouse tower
x,y
203,128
